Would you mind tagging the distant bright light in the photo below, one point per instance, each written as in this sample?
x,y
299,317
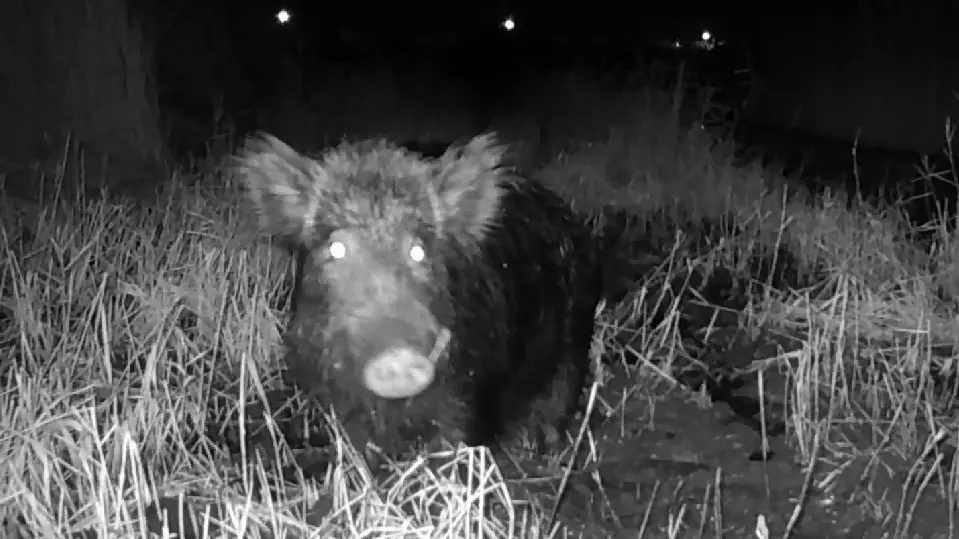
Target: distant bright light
x,y
283,16
509,24
708,41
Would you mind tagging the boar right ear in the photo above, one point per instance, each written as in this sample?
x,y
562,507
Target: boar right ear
x,y
285,187
470,184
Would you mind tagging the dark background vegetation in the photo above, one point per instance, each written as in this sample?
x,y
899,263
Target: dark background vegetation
x,y
131,90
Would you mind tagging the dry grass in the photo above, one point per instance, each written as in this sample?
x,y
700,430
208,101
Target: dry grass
x,y
129,331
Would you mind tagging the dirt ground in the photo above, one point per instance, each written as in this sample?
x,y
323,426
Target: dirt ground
x,y
668,459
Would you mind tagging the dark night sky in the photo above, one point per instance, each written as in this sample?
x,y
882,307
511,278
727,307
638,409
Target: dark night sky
x,y
539,17
600,17
615,22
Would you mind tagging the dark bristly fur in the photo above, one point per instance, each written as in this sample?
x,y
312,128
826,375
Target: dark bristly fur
x,y
511,272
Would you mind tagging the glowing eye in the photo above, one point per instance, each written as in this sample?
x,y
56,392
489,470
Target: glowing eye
x,y
337,250
417,253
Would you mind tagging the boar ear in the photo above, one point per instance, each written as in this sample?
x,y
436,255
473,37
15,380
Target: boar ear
x,y
284,186
469,185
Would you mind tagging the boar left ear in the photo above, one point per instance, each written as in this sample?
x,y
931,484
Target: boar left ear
x,y
284,186
469,186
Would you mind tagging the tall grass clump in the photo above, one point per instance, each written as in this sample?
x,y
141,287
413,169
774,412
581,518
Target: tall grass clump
x,y
79,73
870,311
604,139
